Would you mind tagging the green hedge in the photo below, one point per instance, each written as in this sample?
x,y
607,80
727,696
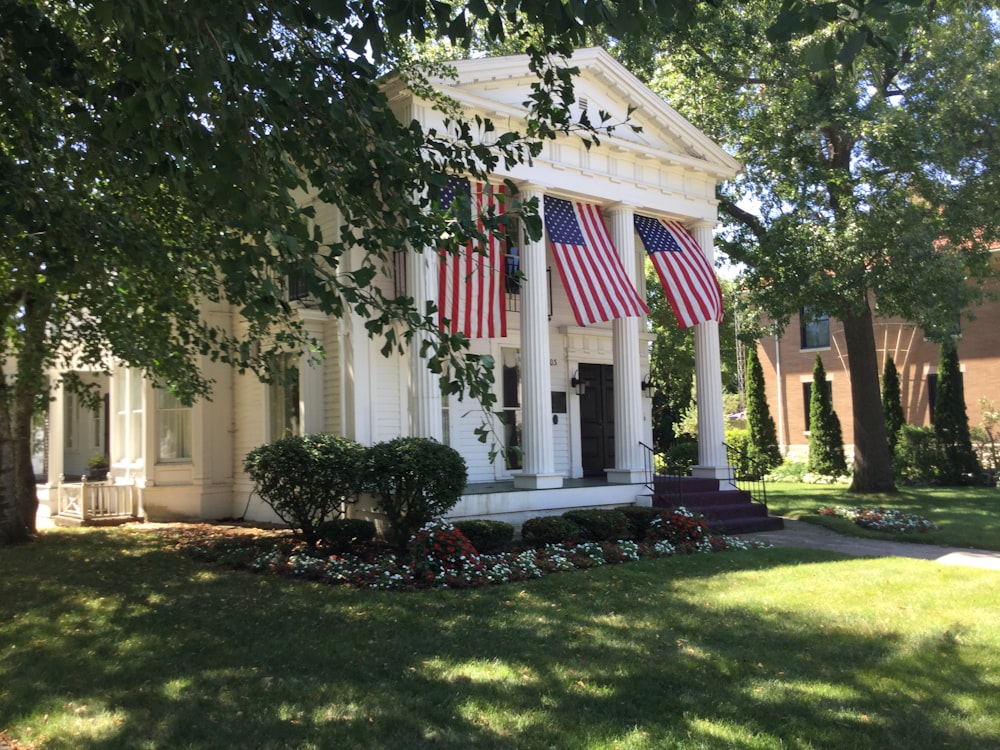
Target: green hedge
x,y
487,536
599,524
550,530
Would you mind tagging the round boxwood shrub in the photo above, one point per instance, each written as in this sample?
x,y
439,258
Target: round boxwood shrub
x,y
307,479
599,524
918,456
638,517
342,534
415,480
487,536
549,530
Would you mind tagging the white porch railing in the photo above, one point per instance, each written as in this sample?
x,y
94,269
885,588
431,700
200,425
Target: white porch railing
x,y
96,502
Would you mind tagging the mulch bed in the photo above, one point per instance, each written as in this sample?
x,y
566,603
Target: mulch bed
x,y
184,534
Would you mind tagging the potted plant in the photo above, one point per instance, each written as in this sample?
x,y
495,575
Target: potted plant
x,y
97,467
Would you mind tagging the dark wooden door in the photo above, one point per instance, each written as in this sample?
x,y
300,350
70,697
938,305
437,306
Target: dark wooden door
x,y
597,419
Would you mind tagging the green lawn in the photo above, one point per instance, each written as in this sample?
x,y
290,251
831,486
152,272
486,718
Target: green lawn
x,y
964,516
110,639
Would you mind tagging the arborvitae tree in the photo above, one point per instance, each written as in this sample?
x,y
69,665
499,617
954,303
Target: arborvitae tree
x,y
762,445
951,422
826,441
892,402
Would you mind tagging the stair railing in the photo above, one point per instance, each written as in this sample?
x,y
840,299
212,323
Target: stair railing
x,y
747,474
664,476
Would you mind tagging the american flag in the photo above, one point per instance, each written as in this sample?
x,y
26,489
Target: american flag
x,y
687,277
592,274
472,298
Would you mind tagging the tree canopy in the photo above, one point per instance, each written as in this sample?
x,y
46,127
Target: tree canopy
x,y
870,166
154,159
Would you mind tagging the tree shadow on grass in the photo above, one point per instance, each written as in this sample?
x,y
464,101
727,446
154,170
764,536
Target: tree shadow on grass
x,y
159,651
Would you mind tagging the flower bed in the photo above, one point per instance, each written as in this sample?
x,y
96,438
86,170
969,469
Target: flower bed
x,y
881,519
440,556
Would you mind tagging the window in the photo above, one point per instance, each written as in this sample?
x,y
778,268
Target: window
x,y
510,381
814,328
931,395
445,409
283,398
127,447
70,421
512,257
97,423
173,427
512,279
297,287
807,397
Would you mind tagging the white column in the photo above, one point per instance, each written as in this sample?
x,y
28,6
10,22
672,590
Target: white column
x,y
425,387
536,385
57,436
629,459
712,460
312,411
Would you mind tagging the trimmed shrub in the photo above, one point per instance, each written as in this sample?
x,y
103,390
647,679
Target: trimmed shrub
x,y
415,480
599,524
762,442
307,479
343,534
739,453
681,455
549,530
892,402
951,422
918,455
487,536
638,517
826,439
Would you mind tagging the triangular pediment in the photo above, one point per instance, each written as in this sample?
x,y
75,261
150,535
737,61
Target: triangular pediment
x,y
502,84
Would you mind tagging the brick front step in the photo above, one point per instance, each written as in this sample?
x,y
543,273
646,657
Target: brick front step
x,y
727,511
668,485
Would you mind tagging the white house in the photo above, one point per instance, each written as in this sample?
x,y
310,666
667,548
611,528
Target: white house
x,y
573,393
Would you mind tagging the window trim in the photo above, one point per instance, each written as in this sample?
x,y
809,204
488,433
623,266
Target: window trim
x,y
808,320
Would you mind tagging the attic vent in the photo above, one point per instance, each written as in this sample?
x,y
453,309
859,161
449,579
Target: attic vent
x,y
582,103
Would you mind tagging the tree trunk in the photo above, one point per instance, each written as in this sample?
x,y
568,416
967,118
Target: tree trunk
x,y
18,398
25,489
13,529
872,462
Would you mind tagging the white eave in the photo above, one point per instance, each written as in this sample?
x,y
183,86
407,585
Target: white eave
x,y
702,153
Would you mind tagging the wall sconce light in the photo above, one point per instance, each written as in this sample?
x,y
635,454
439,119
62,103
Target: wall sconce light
x,y
647,386
580,386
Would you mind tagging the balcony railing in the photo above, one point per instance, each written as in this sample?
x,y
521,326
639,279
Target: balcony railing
x,y
95,503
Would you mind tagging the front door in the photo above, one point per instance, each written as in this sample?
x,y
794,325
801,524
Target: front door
x,y
597,419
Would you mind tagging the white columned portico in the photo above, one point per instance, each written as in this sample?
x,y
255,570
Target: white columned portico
x,y
712,459
538,464
629,460
425,387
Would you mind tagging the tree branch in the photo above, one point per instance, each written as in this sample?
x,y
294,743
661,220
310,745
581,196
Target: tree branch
x,y
751,221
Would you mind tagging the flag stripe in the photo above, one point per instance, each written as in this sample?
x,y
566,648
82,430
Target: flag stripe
x,y
471,294
591,271
685,273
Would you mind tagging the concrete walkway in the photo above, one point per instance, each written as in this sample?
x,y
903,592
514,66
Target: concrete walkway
x,y
809,535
